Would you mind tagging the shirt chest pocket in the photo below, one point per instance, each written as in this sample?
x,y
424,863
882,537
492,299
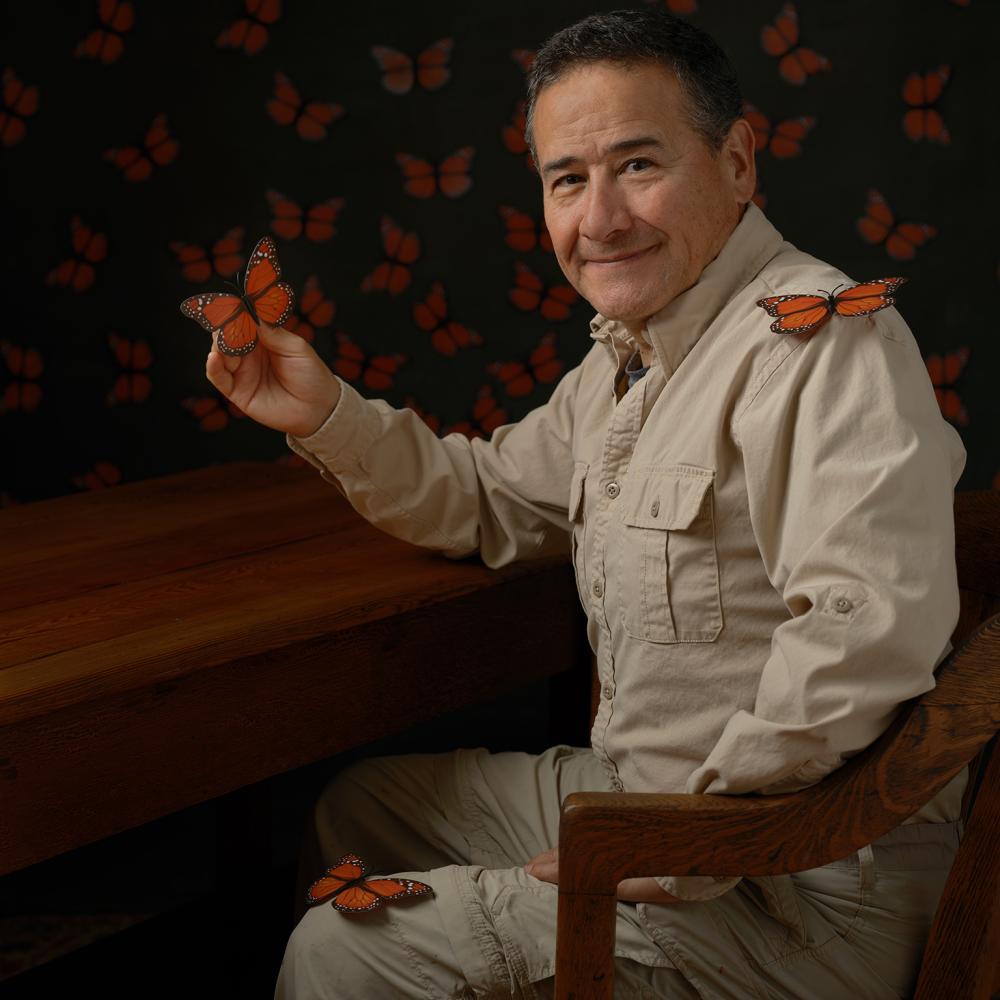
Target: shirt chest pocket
x,y
668,571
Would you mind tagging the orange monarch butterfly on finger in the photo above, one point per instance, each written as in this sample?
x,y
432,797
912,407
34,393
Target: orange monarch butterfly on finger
x,y
351,890
234,318
802,313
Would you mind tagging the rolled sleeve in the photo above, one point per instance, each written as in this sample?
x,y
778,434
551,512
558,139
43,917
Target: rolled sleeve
x,y
505,498
850,476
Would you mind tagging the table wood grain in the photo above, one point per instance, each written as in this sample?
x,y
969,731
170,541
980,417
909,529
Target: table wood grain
x,y
173,640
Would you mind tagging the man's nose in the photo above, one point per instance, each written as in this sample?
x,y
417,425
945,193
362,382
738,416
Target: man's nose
x,y
605,212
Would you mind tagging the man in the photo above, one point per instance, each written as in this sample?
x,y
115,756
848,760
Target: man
x,y
762,533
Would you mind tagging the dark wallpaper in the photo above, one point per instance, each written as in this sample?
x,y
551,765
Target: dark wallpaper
x,y
146,147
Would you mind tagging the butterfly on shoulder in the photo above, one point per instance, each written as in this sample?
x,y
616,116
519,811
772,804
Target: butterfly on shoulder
x,y
234,318
802,313
351,890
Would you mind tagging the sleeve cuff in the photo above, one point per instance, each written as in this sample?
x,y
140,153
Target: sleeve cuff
x,y
344,436
696,888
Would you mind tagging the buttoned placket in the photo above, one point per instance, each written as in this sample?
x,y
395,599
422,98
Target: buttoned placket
x,y
619,445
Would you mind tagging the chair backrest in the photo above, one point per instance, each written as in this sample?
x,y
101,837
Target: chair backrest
x,y
962,956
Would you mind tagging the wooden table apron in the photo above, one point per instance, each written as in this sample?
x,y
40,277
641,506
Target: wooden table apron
x,y
170,641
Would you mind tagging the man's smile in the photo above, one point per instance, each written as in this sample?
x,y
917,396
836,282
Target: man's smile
x,y
620,259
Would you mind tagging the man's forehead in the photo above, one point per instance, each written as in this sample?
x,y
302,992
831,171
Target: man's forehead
x,y
600,104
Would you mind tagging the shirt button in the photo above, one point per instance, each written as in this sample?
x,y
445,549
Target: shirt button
x,y
606,691
613,489
598,589
655,508
842,604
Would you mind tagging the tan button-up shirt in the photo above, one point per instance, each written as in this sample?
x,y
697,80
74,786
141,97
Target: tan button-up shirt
x,y
762,526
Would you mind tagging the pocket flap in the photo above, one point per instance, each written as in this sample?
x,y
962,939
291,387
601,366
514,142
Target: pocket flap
x,y
666,498
576,490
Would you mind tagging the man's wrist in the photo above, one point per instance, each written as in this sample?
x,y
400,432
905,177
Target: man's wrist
x,y
326,412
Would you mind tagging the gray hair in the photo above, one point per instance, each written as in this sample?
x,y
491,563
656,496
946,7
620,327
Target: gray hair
x,y
633,37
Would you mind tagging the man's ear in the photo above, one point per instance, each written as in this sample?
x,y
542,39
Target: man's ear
x,y
741,164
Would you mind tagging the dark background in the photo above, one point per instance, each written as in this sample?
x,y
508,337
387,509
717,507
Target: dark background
x,y
86,425
107,385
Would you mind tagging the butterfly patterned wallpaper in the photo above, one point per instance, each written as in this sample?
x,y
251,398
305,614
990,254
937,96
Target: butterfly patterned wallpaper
x,y
146,148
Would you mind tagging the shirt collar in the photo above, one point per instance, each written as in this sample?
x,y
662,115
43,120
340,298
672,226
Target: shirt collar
x,y
676,328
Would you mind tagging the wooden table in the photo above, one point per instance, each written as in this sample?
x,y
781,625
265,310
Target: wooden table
x,y
169,641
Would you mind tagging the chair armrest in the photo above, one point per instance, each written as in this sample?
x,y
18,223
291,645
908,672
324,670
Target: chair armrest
x,y
605,837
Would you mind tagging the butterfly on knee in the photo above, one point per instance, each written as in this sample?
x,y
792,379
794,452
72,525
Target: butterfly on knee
x,y
350,890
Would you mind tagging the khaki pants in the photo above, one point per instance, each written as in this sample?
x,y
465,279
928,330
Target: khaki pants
x,y
465,822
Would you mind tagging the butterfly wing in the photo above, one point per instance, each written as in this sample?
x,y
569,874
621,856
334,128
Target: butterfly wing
x,y
320,219
527,293
877,222
778,38
348,869
796,313
397,69
557,302
760,124
788,136
420,180
375,892
287,221
453,172
238,335
272,300
212,309
432,64
868,297
284,106
902,244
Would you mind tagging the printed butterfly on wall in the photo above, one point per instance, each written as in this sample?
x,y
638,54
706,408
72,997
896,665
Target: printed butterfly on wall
x,y
451,176
20,102
138,164
89,249
401,250
920,91
225,255
107,42
781,39
487,414
878,225
350,890
802,313
311,118
783,140
523,233
429,69
234,318
291,220
250,33
529,293
375,371
520,378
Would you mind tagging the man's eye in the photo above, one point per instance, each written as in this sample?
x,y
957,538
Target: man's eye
x,y
640,163
567,179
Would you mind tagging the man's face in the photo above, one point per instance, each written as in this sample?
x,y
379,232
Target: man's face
x,y
635,200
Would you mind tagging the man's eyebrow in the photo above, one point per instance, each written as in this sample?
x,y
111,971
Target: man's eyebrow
x,y
617,147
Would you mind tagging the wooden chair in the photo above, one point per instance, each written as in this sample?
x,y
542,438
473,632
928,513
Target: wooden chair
x,y
605,837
